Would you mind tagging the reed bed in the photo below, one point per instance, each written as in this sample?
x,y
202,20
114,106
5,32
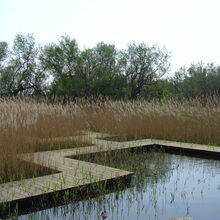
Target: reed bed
x,y
24,123
29,126
195,120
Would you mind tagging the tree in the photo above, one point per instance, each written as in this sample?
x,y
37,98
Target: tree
x,y
22,74
99,68
62,58
61,62
3,51
142,65
160,89
199,79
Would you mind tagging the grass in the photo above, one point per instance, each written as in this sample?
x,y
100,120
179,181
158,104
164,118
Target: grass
x,y
24,170
50,145
138,160
25,123
121,138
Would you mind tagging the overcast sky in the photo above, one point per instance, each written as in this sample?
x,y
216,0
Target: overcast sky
x,y
188,28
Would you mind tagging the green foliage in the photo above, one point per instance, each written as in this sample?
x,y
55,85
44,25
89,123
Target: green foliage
x,y
68,87
22,74
62,69
198,80
3,51
99,68
160,89
143,65
61,59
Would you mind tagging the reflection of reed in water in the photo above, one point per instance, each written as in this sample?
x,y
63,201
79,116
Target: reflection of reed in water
x,y
171,190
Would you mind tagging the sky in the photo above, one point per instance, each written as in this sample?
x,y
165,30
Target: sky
x,y
189,29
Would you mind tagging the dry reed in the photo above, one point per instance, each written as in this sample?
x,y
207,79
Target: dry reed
x,y
22,120
24,124
196,120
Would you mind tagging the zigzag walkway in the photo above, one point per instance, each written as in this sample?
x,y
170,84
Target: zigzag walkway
x,y
75,173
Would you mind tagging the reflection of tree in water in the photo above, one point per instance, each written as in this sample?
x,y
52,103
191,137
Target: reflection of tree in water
x,y
149,167
162,181
152,164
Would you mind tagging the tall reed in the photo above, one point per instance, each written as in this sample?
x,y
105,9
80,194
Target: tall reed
x,y
25,122
196,120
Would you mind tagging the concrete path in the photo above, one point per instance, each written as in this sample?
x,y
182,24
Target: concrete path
x,y
181,218
74,173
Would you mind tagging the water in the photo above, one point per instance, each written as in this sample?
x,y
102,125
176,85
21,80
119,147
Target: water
x,y
177,186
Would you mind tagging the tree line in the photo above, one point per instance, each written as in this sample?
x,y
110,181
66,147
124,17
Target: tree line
x,y
62,69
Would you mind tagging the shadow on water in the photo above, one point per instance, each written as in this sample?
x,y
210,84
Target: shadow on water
x,y
60,198
165,184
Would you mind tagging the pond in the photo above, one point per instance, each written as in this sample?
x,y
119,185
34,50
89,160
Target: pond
x,y
164,185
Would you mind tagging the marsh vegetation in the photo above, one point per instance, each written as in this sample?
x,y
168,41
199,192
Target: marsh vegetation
x,y
30,126
46,97
164,185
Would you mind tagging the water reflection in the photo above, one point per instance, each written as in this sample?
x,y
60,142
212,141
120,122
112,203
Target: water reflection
x,y
173,185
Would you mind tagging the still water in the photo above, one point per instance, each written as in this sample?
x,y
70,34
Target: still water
x,y
175,185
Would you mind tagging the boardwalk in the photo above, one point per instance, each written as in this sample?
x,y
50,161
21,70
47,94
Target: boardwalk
x,y
74,173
